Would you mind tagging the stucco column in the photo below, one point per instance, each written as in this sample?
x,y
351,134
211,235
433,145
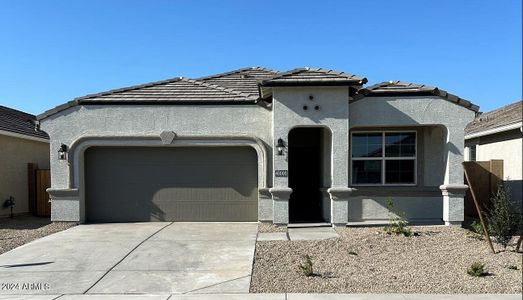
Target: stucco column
x,y
280,206
453,203
65,205
265,205
339,205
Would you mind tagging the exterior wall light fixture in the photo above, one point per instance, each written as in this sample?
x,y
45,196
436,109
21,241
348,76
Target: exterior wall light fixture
x,y
280,145
62,152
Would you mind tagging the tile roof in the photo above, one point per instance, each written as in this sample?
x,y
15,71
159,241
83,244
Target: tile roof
x,y
172,90
403,88
15,121
313,76
504,116
247,85
243,80
176,90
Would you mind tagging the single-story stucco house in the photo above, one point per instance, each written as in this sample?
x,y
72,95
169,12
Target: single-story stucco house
x,y
498,135
21,142
307,145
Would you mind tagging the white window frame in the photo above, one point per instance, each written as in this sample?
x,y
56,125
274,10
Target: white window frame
x,y
384,159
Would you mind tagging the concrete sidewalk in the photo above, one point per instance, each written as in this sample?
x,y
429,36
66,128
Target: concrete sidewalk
x,y
272,297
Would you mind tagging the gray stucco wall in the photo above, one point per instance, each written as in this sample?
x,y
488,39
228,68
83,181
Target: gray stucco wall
x,y
16,153
438,122
288,113
416,111
440,125
130,121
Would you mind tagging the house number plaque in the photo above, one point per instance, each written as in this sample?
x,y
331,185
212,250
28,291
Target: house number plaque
x,y
281,173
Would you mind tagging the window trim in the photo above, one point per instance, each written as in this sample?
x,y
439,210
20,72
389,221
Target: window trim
x,y
383,158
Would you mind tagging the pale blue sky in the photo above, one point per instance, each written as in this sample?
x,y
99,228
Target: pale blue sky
x,y
52,51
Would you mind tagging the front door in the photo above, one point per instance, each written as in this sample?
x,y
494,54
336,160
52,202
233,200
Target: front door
x,y
305,171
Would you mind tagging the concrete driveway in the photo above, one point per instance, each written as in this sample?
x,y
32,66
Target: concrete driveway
x,y
134,258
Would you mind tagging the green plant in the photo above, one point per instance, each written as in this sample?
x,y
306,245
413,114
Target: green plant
x,y
398,223
476,227
307,266
475,231
501,217
476,269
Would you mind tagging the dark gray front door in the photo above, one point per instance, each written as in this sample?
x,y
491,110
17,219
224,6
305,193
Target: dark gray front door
x,y
131,184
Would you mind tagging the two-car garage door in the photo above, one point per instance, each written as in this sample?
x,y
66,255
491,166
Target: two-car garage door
x,y
131,184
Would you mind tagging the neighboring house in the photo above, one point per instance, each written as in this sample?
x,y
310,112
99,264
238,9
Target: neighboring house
x,y
307,145
498,135
21,142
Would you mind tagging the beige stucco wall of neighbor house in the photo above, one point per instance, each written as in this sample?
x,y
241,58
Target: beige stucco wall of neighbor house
x,y
440,125
131,125
15,154
507,146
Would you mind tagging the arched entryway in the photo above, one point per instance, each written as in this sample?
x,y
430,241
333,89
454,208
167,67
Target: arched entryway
x,y
309,174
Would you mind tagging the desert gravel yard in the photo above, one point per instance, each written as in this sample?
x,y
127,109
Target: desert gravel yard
x,y
367,260
23,229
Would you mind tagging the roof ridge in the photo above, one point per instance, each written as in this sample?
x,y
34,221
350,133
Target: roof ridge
x,y
218,87
394,82
234,72
314,69
128,88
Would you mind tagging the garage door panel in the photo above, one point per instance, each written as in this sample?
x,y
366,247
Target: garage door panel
x,y
171,184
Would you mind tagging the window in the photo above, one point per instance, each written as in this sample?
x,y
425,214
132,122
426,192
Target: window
x,y
383,158
472,152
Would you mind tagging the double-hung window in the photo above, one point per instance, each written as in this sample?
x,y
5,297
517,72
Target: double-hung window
x,y
383,158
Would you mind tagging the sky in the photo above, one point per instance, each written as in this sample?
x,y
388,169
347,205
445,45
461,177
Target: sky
x,y
53,51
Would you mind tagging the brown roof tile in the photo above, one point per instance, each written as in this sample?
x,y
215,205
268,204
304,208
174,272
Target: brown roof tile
x,y
15,121
388,88
504,116
243,80
313,76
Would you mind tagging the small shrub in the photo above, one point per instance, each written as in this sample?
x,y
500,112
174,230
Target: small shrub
x,y
476,269
353,253
475,231
397,224
476,227
307,266
501,218
512,267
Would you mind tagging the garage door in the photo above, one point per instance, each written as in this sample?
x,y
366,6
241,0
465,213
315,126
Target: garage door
x,y
171,184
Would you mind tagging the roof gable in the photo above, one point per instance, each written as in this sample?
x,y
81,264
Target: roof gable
x,y
390,88
313,76
18,122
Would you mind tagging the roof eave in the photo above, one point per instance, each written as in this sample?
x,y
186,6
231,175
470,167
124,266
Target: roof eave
x,y
494,130
312,83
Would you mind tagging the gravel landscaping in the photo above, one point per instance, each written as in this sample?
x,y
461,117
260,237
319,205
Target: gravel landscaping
x,y
367,260
23,229
269,227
